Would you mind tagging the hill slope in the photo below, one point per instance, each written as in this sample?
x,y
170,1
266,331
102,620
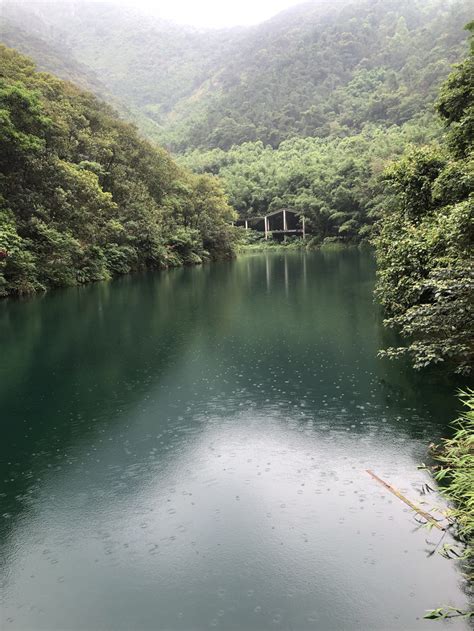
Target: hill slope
x,y
322,68
84,198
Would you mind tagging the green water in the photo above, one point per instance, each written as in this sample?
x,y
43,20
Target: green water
x,y
188,450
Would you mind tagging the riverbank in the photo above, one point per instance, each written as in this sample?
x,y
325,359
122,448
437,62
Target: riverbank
x,y
173,261
311,244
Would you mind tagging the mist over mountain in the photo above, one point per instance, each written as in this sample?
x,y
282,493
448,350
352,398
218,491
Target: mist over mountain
x,y
319,69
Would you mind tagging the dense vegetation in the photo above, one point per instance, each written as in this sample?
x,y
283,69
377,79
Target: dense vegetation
x,y
324,68
325,72
424,244
335,182
333,177
84,198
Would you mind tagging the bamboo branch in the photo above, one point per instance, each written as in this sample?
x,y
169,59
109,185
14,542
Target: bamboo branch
x,y
397,493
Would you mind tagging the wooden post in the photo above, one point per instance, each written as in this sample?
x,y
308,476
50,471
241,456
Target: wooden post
x,y
266,227
304,228
285,225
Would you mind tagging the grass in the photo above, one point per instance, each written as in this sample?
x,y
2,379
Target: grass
x,y
253,241
455,472
456,458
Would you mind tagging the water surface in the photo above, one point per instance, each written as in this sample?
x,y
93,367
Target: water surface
x,y
188,450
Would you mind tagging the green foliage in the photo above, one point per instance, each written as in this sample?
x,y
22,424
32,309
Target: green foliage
x,y
321,69
21,120
20,277
334,183
252,240
446,613
425,238
456,457
368,117
456,106
413,177
84,198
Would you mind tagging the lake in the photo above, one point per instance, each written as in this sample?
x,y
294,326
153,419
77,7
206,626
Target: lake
x,y
188,450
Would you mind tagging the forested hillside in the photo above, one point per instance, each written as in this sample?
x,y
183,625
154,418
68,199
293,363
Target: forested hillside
x,y
146,64
334,176
308,74
304,110
321,69
84,198
49,55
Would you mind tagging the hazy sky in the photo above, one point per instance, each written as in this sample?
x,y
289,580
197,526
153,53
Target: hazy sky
x,y
215,13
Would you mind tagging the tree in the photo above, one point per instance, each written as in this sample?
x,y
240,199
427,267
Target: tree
x,y
424,243
84,198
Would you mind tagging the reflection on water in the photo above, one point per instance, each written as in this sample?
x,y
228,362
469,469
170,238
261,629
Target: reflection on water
x,y
187,450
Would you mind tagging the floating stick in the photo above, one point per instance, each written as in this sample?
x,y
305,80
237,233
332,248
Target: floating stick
x,y
418,510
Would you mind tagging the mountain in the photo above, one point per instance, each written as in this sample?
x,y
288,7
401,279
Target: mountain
x,y
304,110
146,63
50,56
319,69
